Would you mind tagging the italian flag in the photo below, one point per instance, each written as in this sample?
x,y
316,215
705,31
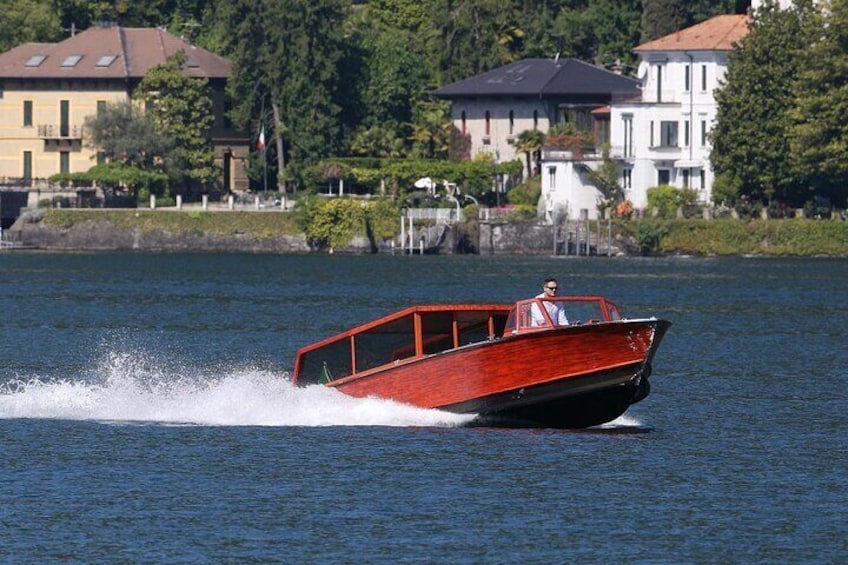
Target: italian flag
x,y
260,143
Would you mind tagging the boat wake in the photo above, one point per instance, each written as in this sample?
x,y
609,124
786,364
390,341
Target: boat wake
x,y
134,389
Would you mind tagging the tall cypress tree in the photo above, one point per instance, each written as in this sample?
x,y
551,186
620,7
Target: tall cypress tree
x,y
819,131
751,153
286,56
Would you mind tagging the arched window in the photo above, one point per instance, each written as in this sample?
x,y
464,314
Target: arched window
x,y
511,122
488,123
535,119
464,131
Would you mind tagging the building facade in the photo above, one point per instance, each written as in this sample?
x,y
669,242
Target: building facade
x,y
662,138
493,108
48,89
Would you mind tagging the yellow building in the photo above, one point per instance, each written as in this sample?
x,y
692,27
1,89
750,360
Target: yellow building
x,y
48,89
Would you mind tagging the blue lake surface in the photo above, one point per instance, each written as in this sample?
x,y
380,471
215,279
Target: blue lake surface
x,y
145,417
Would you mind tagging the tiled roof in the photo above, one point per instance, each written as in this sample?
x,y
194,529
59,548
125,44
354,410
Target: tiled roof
x,y
541,77
715,34
108,52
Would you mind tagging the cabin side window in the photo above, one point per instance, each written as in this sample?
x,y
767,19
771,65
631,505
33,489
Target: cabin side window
x,y
437,331
326,364
386,343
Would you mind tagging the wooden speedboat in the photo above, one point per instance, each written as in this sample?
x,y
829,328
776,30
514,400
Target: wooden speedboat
x,y
508,364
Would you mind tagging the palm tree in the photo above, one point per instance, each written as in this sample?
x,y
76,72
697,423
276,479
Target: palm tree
x,y
530,143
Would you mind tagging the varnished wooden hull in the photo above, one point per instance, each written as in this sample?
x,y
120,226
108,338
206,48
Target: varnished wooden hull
x,y
569,377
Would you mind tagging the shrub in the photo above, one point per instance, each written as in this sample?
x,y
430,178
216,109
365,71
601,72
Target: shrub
x,y
649,235
664,199
526,193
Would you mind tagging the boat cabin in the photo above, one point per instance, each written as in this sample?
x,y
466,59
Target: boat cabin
x,y
406,335
420,331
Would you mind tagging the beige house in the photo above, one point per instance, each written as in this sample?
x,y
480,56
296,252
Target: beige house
x,y
48,89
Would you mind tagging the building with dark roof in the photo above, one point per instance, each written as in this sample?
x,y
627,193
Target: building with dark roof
x,y
48,89
532,94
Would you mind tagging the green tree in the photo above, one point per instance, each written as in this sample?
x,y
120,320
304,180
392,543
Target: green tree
x,y
606,179
431,130
818,135
472,36
662,17
330,223
28,20
751,152
124,133
286,57
181,108
393,78
530,142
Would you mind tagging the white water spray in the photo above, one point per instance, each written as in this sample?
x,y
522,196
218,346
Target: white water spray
x,y
131,388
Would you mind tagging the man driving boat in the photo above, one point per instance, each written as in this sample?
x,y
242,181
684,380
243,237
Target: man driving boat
x,y
555,309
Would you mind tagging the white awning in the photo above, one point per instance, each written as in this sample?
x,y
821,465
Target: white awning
x,y
691,164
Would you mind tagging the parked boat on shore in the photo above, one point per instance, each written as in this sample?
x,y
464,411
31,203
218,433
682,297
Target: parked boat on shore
x,y
511,365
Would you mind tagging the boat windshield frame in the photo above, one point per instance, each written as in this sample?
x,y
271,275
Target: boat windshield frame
x,y
535,314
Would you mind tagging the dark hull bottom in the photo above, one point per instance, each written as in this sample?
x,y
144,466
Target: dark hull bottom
x,y
580,403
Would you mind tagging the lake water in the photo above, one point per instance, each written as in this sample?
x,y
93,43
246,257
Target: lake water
x,y
145,418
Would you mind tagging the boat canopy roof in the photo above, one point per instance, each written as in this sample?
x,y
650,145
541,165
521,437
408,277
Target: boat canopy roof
x,y
423,330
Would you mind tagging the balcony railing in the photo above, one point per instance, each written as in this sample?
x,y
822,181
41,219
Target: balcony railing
x,y
53,131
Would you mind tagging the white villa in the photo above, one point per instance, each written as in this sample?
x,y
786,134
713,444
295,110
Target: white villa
x,y
664,137
661,136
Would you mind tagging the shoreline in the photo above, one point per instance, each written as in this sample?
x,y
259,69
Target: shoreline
x,y
79,230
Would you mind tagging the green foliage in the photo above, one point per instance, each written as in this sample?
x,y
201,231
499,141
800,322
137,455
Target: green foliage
x,y
530,143
649,235
606,180
331,222
662,17
751,152
125,133
248,224
475,177
118,176
431,130
771,237
527,193
288,60
381,219
23,21
664,199
181,108
819,130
